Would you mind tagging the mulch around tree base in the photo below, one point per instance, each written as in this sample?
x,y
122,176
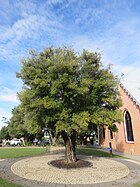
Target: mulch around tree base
x,y
62,164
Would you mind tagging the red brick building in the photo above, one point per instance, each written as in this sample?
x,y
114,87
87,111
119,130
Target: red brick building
x,y
127,139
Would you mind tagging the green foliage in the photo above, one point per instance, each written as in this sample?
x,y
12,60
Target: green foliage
x,y
32,122
66,92
16,124
4,133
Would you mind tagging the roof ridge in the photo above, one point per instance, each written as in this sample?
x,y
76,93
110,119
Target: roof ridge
x,y
130,95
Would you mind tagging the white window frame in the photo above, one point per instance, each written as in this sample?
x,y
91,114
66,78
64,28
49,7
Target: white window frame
x,y
126,137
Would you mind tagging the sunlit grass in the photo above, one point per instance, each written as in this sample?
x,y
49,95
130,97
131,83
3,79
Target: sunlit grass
x,y
4,183
17,152
95,152
137,184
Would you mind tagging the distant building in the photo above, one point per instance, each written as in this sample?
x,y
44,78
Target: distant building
x,y
127,139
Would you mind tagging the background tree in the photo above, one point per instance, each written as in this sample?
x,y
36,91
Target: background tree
x,y
4,133
16,124
19,125
66,92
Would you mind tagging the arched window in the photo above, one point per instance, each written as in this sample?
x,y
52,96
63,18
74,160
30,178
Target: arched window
x,y
111,134
128,127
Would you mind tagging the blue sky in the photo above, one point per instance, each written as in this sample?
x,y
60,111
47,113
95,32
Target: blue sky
x,y
110,27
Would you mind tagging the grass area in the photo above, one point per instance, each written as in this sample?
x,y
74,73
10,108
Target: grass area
x,y
17,152
95,152
137,184
4,183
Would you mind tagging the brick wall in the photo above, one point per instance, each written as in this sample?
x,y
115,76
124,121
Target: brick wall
x,y
119,141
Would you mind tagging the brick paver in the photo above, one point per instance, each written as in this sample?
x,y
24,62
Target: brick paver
x,y
37,168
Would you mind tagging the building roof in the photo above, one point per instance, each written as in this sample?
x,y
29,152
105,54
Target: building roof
x,y
132,89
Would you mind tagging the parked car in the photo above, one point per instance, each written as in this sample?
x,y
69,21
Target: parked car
x,y
14,141
46,142
35,141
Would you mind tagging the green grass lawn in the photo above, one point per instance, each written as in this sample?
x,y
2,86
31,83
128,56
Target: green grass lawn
x,y
95,152
137,184
17,152
4,183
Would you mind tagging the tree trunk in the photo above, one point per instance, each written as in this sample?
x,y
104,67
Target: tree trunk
x,y
70,147
53,138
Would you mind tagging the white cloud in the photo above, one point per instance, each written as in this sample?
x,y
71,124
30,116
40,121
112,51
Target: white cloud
x,y
130,78
6,114
8,95
34,27
9,98
25,7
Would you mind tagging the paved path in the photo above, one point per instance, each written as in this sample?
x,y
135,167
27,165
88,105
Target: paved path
x,y
130,156
126,181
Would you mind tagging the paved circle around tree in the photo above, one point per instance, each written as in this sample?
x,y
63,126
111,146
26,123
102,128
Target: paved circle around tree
x,y
38,168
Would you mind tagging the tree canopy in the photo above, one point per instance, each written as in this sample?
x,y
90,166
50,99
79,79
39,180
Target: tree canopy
x,y
66,92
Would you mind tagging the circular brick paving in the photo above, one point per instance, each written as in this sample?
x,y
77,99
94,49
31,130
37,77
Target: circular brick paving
x,y
37,168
